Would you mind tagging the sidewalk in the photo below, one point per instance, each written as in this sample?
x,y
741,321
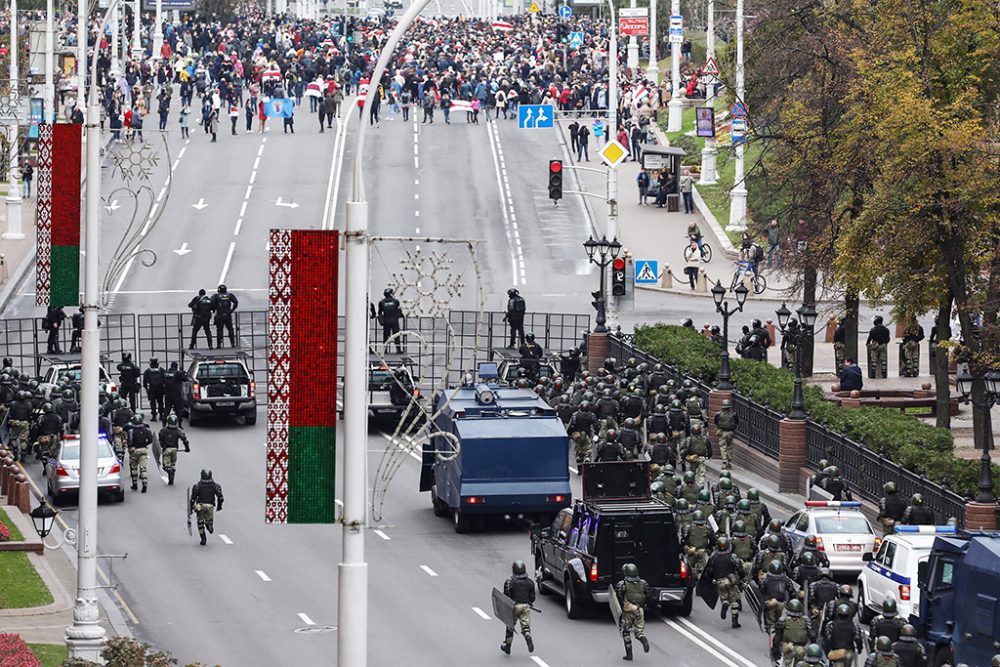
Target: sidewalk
x,y
16,257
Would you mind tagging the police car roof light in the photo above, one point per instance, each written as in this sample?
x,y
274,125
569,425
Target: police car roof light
x,y
926,530
833,503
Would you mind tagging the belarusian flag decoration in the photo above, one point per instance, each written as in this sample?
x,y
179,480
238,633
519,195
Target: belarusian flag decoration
x,y
302,376
57,274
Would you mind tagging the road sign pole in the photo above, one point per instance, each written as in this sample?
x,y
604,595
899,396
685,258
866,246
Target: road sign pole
x,y
653,71
709,175
632,59
675,107
738,195
612,228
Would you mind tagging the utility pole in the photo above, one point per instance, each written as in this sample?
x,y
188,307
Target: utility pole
x,y
738,195
158,31
13,169
709,153
612,227
675,107
82,36
653,71
632,59
115,64
50,89
137,30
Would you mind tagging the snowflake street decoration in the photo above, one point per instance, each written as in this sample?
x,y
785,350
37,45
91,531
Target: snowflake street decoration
x,y
427,285
135,159
10,99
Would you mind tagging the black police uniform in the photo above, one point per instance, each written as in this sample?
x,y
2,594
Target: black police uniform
x,y
224,304
919,515
152,381
128,375
909,652
515,318
77,321
173,385
52,323
530,353
389,315
201,315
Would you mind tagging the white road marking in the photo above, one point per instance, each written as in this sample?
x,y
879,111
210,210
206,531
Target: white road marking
x,y
174,167
482,614
253,176
225,539
416,196
504,195
381,534
723,659
229,258
416,213
262,575
306,619
574,470
239,225
333,182
181,153
732,652
260,150
263,141
338,501
417,230
429,571
416,162
243,209
416,181
256,162
249,190
538,661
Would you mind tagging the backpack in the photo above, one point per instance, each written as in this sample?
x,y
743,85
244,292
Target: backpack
x,y
758,253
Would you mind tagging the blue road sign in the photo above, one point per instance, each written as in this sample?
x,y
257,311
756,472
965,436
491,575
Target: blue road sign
x,y
647,271
576,39
738,130
565,11
739,110
535,116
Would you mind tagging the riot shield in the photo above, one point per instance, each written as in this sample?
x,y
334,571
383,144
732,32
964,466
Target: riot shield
x,y
706,589
614,605
755,601
157,452
503,608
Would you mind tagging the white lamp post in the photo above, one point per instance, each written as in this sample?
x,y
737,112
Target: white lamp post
x,y
675,107
13,169
738,195
709,176
653,71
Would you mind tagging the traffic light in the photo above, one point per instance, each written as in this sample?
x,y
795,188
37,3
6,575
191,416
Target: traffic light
x,y
618,277
555,179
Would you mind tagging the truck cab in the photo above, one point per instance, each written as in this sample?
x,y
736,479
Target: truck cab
x,y
582,552
959,619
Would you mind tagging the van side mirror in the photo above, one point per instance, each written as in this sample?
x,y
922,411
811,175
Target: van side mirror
x,y
866,557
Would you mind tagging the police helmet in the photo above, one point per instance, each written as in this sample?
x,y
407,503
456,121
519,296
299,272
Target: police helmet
x,y
539,389
46,407
201,292
773,543
698,517
824,573
7,361
126,356
206,474
172,421
387,292
723,543
889,607
630,570
610,364
831,471
774,526
667,469
154,362
611,435
995,662
890,487
682,506
696,429
136,419
607,393
743,505
703,496
120,403
512,292
729,502
739,528
814,654
688,323
823,464
846,591
33,385
793,323
877,320
586,406
917,499
843,610
675,404
910,631
726,404
222,289
755,324
659,409
530,337
629,422
689,477
657,487
794,607
725,484
23,395
631,362
776,567
810,542
68,394
518,567
661,438
807,558
173,365
753,495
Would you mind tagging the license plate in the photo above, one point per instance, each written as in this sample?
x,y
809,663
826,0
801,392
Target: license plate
x,y
226,404
849,547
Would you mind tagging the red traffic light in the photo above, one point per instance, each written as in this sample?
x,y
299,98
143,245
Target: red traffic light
x,y
555,166
619,264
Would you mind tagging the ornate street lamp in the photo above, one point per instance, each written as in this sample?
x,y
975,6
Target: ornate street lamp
x,y
964,383
807,318
43,517
602,253
722,307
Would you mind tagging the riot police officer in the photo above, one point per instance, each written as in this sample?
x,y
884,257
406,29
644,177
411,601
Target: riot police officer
x,y
918,514
68,409
845,596
661,451
792,633
759,341
912,337
891,508
521,589
744,546
698,539
725,423
389,315
530,353
170,437
632,593
725,570
760,511
52,323
581,430
121,421
607,410
878,340
630,438
139,440
153,379
822,592
202,307
657,422
19,419
683,515
608,449
887,624
173,386
50,428
842,638
128,376
515,316
908,649
678,419
811,546
224,304
697,449
77,334
881,654
776,589
836,486
206,499
790,338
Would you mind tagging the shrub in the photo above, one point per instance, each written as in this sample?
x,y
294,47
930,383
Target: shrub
x,y
4,533
15,653
901,438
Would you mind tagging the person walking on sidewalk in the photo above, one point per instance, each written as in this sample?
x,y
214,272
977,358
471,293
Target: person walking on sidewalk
x,y
687,183
642,180
574,135
27,173
773,244
582,144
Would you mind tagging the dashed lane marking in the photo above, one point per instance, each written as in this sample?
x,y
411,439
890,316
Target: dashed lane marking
x,y
706,647
382,534
538,661
429,571
225,539
306,619
732,652
229,259
482,614
263,575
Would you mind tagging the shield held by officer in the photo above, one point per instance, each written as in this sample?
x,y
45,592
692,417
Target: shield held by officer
x,y
615,605
707,590
503,608
756,602
157,452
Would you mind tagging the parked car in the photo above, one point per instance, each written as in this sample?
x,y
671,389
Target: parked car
x,y
63,472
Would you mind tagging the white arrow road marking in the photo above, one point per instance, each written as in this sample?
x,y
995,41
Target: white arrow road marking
x,y
286,203
200,205
183,250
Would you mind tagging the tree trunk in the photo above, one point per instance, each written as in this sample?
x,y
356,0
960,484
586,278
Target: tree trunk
x,y
809,297
851,305
943,332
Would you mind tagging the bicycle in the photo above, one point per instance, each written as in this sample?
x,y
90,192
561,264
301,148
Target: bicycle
x,y
758,281
692,248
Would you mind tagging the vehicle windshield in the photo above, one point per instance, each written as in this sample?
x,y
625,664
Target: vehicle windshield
x,y
74,374
71,451
230,370
844,525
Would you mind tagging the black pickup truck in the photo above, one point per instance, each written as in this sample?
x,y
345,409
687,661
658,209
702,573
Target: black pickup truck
x,y
220,383
582,552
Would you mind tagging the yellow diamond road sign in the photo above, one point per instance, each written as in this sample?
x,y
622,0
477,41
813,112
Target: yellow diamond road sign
x,y
534,9
613,153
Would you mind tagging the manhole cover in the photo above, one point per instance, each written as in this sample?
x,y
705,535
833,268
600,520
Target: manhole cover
x,y
312,629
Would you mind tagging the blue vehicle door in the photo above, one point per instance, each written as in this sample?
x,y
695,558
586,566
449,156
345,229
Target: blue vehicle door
x,y
939,600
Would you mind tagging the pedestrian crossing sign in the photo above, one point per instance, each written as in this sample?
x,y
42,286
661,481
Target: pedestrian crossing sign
x,y
647,271
534,8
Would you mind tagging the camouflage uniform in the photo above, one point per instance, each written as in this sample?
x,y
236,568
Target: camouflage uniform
x,y
745,549
139,439
725,422
697,449
698,539
633,593
791,634
206,495
521,589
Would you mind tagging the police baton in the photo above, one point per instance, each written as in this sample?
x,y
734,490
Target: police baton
x,y
532,608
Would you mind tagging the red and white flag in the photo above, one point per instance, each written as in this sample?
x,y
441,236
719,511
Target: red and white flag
x,y
461,105
502,26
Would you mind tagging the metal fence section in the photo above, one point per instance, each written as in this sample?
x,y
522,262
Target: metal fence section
x,y
867,472
24,341
759,427
623,347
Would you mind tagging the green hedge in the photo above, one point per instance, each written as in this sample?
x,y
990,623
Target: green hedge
x,y
902,438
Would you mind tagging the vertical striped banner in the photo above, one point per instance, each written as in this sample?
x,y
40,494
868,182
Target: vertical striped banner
x,y
302,376
58,215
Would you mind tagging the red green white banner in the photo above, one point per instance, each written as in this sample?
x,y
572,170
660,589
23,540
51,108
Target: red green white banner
x,y
302,376
57,275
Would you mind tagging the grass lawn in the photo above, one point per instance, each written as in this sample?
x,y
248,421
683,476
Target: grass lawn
x,y
22,587
50,655
717,196
15,534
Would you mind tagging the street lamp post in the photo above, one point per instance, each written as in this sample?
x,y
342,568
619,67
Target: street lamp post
x,y
807,318
722,306
602,253
709,153
964,383
13,168
653,70
738,195
675,108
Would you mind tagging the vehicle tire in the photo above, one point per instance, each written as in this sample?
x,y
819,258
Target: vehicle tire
x,y
865,614
942,656
440,506
576,607
194,420
250,418
119,497
706,253
540,576
684,608
463,523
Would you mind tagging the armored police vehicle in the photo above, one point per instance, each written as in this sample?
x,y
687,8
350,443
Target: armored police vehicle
x,y
959,618
495,452
220,383
582,552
